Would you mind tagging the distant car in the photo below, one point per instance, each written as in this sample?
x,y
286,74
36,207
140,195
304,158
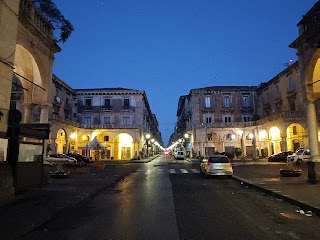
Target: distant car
x,y
279,157
79,157
301,155
216,165
179,155
166,152
60,158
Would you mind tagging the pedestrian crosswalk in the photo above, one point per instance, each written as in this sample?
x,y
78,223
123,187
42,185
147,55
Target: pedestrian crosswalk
x,y
170,171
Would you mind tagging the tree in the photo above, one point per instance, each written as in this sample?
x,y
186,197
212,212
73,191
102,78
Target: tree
x,y
54,16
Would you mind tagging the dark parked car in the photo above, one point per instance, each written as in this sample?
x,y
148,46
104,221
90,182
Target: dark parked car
x,y
279,157
79,157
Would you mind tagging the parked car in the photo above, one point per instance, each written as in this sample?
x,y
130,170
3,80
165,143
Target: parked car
x,y
301,155
279,157
179,155
60,158
216,165
79,157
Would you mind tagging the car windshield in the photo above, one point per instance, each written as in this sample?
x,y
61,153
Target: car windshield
x,y
219,160
300,152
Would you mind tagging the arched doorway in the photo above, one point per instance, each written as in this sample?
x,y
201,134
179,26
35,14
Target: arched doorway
x,y
123,146
275,140
296,135
61,142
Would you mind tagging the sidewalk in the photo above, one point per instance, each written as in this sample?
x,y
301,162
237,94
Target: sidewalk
x,y
265,177
37,206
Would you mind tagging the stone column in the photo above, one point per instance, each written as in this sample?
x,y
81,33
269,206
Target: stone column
x,y
313,141
44,114
27,112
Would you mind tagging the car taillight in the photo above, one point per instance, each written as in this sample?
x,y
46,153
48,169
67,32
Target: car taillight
x,y
208,163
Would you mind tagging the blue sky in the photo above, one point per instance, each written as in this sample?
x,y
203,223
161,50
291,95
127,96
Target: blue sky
x,y
168,47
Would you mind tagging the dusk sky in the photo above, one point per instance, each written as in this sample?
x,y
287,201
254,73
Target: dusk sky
x,y
168,47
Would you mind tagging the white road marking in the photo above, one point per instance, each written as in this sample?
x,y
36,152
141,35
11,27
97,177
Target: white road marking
x,y
184,171
172,170
194,170
148,172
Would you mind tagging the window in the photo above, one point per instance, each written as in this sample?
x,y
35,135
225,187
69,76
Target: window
x,y
294,130
246,118
126,120
227,119
277,93
106,102
106,120
106,138
87,120
290,84
292,105
209,136
245,101
207,101
126,103
88,102
208,120
229,137
226,102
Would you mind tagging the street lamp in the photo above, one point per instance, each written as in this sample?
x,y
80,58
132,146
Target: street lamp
x,y
147,140
152,146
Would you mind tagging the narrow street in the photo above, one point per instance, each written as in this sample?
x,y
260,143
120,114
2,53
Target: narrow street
x,y
166,199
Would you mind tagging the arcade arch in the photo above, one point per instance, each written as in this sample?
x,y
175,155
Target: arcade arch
x,y
123,146
275,140
296,136
61,141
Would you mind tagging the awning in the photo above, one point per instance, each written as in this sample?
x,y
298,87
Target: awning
x,y
95,144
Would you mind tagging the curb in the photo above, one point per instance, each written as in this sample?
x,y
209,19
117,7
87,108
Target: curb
x,y
301,205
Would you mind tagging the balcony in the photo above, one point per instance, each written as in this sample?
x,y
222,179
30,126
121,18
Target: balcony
x,y
246,109
106,108
292,114
225,109
221,125
34,16
110,126
291,92
87,108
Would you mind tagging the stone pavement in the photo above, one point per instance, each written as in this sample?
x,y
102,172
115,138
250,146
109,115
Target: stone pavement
x,y
265,177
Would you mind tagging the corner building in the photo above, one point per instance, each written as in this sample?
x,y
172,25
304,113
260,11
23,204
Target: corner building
x,y
103,123
255,121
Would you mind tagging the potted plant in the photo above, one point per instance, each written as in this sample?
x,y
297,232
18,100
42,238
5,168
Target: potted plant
x,y
292,170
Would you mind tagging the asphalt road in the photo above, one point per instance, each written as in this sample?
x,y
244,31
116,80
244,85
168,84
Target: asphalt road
x,y
172,200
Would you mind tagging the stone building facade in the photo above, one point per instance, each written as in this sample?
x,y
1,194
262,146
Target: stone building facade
x,y
259,121
117,119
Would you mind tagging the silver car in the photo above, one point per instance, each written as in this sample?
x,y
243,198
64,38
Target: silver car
x,y
216,165
60,158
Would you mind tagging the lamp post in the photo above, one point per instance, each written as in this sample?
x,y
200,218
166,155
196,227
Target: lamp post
x,y
147,141
152,146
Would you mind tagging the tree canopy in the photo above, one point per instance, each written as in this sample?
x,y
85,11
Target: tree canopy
x,y
54,16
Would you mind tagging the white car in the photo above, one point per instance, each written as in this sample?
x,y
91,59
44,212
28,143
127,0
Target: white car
x,y
301,155
179,155
60,158
216,165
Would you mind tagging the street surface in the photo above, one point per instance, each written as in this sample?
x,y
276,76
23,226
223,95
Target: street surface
x,y
166,199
